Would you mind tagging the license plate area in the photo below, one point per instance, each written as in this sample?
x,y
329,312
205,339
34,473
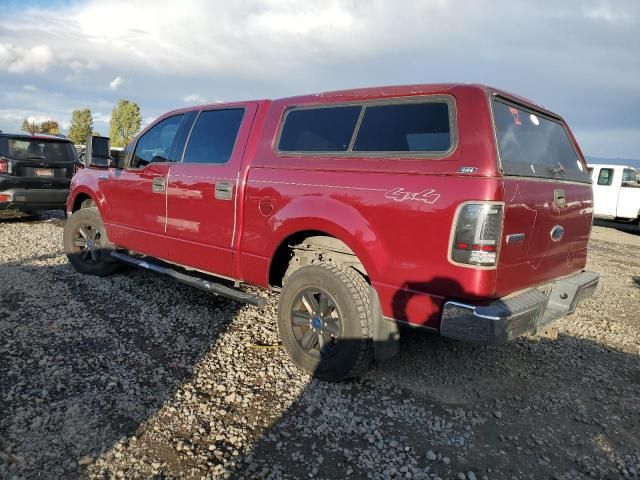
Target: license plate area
x,y
43,172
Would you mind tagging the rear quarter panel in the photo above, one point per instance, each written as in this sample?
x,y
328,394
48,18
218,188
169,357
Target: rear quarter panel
x,y
395,214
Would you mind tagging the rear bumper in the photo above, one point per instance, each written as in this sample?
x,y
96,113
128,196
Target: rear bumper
x,y
505,319
33,198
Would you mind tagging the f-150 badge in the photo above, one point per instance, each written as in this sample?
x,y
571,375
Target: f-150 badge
x,y
399,194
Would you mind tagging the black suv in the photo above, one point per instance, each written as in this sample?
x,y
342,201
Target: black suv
x,y
35,171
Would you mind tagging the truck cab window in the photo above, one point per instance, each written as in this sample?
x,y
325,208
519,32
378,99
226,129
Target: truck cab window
x,y
605,177
322,129
410,127
155,144
214,136
629,178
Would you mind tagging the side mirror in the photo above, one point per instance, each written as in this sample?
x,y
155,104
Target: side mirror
x,y
118,158
98,153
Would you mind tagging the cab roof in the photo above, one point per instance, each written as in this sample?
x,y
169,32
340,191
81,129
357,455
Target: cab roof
x,y
610,165
368,93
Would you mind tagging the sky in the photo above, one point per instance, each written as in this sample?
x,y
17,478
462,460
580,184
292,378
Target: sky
x,y
580,59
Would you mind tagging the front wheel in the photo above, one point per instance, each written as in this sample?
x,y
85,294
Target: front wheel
x,y
324,320
86,243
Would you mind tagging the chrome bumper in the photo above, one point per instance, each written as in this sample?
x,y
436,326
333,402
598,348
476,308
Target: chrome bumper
x,y
505,319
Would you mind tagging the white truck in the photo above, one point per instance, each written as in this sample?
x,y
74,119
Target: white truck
x,y
616,192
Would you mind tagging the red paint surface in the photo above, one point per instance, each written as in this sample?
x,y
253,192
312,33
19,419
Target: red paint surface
x,y
402,240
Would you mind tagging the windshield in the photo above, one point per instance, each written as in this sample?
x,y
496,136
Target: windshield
x,y
37,149
532,145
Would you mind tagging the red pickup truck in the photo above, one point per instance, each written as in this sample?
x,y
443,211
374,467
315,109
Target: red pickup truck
x,y
458,208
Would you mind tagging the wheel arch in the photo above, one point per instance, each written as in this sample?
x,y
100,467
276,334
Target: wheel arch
x,y
80,199
81,193
333,242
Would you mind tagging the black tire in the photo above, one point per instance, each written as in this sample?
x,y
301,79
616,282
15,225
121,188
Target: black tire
x,y
336,354
86,243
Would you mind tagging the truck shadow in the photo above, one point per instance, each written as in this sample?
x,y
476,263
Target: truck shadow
x,y
535,407
137,363
528,409
55,217
85,361
633,228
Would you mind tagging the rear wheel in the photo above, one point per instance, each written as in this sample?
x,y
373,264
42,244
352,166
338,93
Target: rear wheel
x,y
86,243
324,319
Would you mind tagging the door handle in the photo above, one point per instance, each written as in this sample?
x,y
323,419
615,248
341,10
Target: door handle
x,y
224,191
158,185
559,198
103,178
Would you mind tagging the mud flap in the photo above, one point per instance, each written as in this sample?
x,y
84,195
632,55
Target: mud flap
x,y
386,335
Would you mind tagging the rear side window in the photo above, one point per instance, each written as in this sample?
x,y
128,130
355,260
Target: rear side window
x,y
628,175
327,129
409,127
532,145
213,136
605,177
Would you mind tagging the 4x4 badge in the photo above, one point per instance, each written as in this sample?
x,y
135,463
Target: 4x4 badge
x,y
400,195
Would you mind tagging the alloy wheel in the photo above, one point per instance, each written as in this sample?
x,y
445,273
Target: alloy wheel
x,y
316,322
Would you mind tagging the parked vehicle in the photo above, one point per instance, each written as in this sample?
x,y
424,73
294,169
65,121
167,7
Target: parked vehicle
x,y
616,192
458,208
35,171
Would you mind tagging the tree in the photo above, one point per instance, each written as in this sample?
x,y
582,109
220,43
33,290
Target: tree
x,y
125,122
81,126
50,127
30,127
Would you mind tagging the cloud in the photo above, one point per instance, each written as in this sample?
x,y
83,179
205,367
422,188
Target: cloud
x,y
194,99
609,14
16,59
78,66
101,117
116,83
305,21
579,61
38,118
39,59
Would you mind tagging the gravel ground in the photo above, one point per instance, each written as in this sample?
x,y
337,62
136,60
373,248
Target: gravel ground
x,y
135,376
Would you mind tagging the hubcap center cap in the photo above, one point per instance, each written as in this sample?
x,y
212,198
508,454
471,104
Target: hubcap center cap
x,y
316,322
90,244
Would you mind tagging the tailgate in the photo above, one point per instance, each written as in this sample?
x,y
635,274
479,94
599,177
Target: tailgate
x,y
544,238
547,194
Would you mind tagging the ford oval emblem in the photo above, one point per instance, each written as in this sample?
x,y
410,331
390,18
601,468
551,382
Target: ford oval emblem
x,y
557,233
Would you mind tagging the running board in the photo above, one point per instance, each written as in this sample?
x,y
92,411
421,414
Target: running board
x,y
212,287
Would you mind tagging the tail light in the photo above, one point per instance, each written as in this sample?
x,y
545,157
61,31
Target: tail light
x,y
4,165
476,235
